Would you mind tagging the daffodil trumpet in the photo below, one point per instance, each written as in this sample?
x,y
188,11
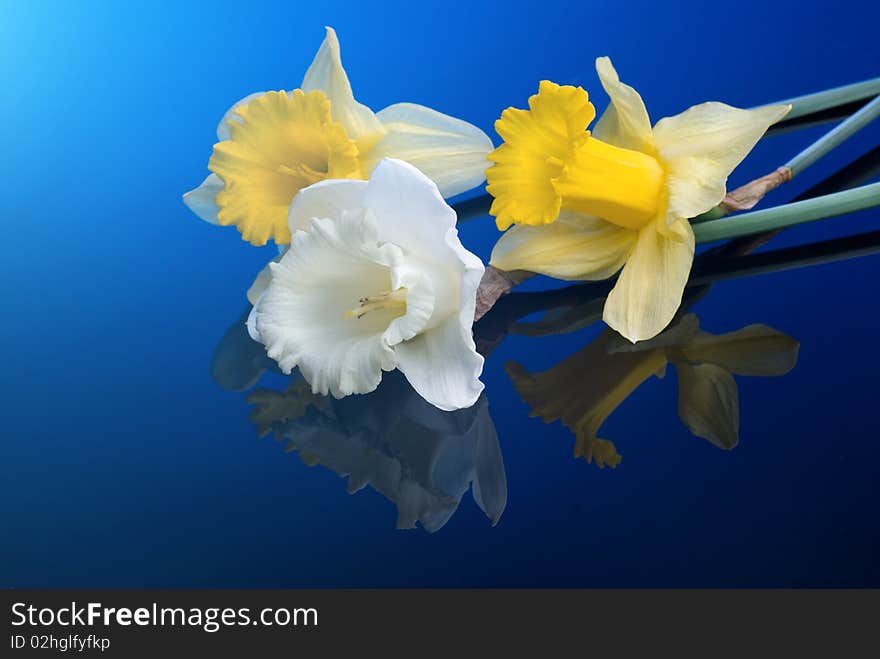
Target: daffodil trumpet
x,y
273,144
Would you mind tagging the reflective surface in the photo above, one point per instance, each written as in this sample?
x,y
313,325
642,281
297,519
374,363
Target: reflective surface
x,y
134,405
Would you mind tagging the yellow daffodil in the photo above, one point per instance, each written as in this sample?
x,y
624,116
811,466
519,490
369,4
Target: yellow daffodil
x,y
273,144
587,203
583,390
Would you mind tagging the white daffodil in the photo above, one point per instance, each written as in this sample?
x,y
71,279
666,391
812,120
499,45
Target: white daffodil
x,y
587,204
273,144
376,279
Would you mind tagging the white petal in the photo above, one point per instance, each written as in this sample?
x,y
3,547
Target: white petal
x,y
251,322
409,209
715,131
238,361
490,481
415,503
411,213
443,365
648,293
302,316
325,199
573,247
421,300
625,123
223,126
449,151
708,403
201,201
326,74
261,283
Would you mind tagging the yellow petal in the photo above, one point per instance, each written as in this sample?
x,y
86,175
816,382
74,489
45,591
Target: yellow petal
x,y
449,151
327,75
753,350
649,290
625,122
537,142
573,247
708,403
694,185
273,407
716,132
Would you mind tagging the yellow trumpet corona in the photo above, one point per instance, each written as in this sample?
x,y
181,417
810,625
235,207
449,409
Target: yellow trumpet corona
x,y
550,162
283,143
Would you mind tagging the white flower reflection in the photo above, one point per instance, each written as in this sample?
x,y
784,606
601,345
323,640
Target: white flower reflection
x,y
419,457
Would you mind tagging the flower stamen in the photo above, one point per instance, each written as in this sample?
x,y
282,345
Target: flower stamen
x,y
279,144
391,300
302,171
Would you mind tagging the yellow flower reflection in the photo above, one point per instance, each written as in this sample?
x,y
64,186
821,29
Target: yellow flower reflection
x,y
586,204
271,407
584,389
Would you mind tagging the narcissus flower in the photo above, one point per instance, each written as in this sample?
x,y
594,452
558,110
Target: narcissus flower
x,y
375,279
584,389
273,144
586,204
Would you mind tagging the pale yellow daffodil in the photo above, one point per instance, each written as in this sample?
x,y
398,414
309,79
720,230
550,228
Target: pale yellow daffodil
x,y
583,390
273,144
586,204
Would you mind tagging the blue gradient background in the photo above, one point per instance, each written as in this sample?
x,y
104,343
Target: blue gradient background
x,y
125,465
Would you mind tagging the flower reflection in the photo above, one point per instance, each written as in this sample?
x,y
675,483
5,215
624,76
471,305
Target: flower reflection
x,y
419,457
584,389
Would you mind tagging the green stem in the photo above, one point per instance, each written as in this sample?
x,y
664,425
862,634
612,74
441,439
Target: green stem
x,y
810,103
780,217
834,137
